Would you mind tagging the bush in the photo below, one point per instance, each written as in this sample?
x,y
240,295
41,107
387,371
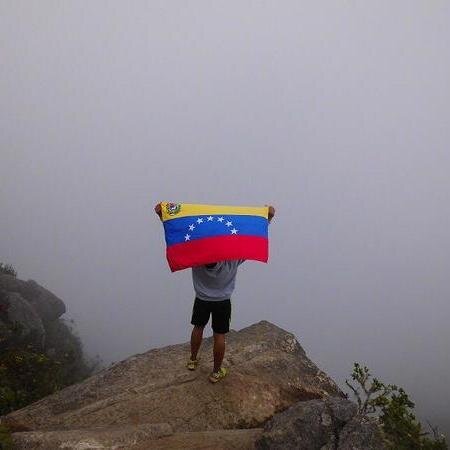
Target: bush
x,y
8,269
29,372
66,347
6,442
394,410
26,375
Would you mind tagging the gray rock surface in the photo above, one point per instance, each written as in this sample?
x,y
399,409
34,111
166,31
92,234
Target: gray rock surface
x,y
361,433
137,437
307,425
205,440
326,424
18,310
47,305
113,437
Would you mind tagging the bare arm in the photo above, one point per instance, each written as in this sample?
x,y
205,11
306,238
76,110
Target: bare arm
x,y
271,213
158,210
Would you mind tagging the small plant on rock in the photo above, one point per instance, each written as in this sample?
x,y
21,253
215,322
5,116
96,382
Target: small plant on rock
x,y
394,410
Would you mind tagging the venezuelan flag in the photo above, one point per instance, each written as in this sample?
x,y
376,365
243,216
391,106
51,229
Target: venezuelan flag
x,y
202,234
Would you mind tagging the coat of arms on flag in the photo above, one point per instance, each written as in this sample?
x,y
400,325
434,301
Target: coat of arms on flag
x,y
200,234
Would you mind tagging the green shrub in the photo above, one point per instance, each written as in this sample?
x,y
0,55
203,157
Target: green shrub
x,y
394,409
6,442
28,373
67,348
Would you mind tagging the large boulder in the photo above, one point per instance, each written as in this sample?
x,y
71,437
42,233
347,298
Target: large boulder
x,y
362,433
326,424
14,309
46,304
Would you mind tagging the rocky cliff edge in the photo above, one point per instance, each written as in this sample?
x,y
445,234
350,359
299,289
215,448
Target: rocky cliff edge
x,y
151,401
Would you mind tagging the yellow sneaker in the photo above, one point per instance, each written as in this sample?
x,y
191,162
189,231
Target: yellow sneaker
x,y
192,364
217,376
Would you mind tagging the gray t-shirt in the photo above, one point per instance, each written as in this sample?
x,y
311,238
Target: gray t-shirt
x,y
215,283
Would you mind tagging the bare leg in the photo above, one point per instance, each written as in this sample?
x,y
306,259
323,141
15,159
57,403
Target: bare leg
x,y
219,350
196,341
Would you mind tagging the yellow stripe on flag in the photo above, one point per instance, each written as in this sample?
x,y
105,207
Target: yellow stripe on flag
x,y
176,210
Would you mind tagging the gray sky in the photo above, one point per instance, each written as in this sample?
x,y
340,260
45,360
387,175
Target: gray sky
x,y
335,112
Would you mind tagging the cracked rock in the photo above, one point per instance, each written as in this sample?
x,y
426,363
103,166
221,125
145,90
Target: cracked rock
x,y
324,424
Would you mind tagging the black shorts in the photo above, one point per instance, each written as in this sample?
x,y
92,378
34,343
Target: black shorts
x,y
220,311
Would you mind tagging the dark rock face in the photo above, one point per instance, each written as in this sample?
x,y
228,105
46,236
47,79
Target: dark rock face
x,y
307,425
18,310
47,305
30,321
328,424
30,306
361,433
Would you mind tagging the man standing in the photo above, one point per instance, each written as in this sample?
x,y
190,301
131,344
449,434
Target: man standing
x,y
213,284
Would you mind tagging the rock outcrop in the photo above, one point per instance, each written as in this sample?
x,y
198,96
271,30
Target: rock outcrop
x,y
29,305
327,424
30,321
150,401
18,311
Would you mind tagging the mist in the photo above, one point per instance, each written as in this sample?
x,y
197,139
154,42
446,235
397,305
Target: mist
x,y
337,113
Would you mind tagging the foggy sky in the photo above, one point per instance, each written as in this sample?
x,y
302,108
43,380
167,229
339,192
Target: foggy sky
x,y
335,112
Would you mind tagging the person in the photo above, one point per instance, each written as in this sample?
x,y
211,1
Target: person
x,y
213,285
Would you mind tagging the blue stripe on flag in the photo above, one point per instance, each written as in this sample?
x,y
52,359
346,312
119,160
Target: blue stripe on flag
x,y
191,228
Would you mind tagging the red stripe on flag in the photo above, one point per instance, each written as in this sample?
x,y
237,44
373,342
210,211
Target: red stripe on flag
x,y
218,248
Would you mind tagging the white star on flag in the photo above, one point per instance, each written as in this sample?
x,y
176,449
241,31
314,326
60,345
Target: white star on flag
x,y
228,224
191,227
187,237
210,218
199,220
234,231
220,219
